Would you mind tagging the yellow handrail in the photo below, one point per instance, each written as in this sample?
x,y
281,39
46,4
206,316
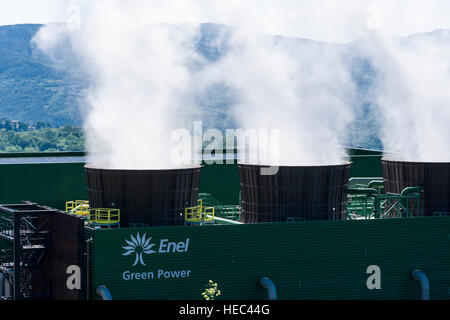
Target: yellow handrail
x,y
199,213
193,214
104,216
78,207
208,214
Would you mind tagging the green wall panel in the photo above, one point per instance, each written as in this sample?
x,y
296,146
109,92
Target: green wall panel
x,y
305,260
222,181
47,184
366,166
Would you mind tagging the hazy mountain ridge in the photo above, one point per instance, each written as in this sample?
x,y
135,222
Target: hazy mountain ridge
x,y
32,88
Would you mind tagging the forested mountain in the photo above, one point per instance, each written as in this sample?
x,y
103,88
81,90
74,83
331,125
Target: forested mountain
x,y
34,89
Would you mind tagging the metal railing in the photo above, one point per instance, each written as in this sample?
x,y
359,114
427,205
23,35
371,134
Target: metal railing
x,y
104,216
78,207
199,214
370,202
231,212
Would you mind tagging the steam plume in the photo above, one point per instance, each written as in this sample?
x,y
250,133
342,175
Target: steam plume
x,y
413,94
145,72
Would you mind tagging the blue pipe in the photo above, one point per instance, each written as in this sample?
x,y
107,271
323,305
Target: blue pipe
x,y
267,284
103,292
424,283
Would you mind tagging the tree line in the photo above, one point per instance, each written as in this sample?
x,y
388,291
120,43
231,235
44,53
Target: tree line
x,y
19,136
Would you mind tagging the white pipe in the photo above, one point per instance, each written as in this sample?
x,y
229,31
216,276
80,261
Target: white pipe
x,y
103,292
424,283
267,284
226,220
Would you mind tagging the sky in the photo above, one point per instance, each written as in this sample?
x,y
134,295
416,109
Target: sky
x,y
326,20
31,11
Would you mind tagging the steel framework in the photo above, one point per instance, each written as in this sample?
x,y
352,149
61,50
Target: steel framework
x,y
25,227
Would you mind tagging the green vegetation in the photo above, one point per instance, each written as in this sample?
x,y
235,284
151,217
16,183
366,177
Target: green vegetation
x,y
211,291
34,87
17,136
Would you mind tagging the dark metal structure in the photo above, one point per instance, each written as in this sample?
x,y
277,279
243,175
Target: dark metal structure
x,y
40,249
67,249
144,197
434,177
26,228
294,193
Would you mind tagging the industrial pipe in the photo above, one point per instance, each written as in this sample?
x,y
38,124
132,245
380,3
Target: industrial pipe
x,y
225,220
424,283
375,183
407,191
9,275
103,292
2,285
366,191
410,190
267,284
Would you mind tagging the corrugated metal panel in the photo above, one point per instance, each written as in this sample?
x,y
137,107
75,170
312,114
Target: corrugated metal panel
x,y
310,193
153,197
55,183
67,248
434,177
306,260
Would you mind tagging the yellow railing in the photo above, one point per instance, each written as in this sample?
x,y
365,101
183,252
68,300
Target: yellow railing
x,y
193,214
106,216
78,207
208,214
199,214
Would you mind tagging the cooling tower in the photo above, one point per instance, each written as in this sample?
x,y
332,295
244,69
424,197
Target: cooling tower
x,y
150,197
434,177
294,193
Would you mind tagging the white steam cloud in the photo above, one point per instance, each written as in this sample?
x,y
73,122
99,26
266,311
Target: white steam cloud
x,y
141,81
145,72
413,94
300,88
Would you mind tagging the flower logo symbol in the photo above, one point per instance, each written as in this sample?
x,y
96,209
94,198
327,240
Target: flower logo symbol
x,y
138,245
